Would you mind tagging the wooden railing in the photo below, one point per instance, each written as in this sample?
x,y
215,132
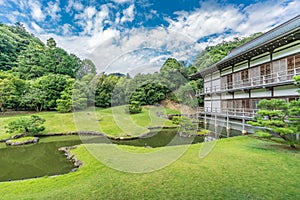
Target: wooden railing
x,y
241,112
267,80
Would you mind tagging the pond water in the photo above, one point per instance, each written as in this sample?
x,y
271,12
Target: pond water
x,y
44,159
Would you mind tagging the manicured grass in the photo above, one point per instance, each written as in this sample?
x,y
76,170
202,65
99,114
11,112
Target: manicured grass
x,y
112,121
237,168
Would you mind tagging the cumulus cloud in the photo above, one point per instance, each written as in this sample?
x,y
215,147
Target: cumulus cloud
x,y
122,1
66,29
128,14
138,48
76,5
113,46
37,28
53,10
36,10
256,19
93,21
213,18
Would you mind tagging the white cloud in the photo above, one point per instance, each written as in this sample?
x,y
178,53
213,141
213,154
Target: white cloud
x,y
87,14
144,50
121,1
128,14
53,10
215,19
140,48
93,21
90,12
66,29
36,10
256,18
37,28
72,4
209,19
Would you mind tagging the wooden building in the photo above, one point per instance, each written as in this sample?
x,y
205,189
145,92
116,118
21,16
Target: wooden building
x,y
263,68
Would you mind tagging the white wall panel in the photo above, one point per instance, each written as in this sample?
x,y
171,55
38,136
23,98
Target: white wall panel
x,y
260,93
227,96
289,90
207,98
226,71
240,67
215,96
286,52
207,78
260,60
240,95
216,75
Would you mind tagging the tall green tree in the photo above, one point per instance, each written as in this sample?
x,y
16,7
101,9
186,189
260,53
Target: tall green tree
x,y
34,98
104,90
11,89
173,74
53,85
31,62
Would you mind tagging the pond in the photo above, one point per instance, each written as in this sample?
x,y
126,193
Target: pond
x,y
44,159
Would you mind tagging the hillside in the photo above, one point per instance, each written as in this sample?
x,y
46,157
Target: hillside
x,y
213,54
13,40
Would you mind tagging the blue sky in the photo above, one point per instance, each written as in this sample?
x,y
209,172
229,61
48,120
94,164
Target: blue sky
x,y
139,35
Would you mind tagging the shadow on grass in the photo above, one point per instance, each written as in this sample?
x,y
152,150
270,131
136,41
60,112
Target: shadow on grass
x,y
273,144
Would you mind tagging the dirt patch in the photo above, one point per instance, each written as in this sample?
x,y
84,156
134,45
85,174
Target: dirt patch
x,y
186,110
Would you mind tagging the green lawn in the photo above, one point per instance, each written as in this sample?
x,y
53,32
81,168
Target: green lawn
x,y
237,168
112,121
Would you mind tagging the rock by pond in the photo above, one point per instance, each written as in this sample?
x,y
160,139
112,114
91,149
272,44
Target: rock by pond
x,y
17,142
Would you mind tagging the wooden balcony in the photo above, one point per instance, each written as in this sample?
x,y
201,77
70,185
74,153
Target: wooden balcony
x,y
271,80
239,113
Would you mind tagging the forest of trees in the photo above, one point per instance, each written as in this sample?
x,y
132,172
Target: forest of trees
x,y
38,76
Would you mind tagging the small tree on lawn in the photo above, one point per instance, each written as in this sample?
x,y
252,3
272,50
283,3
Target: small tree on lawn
x,y
186,125
274,119
135,107
26,126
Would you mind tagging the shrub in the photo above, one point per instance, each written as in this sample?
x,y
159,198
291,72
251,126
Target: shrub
x,y
262,134
26,126
203,132
135,107
176,119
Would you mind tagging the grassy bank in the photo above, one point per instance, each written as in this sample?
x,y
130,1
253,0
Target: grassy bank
x,y
112,121
237,168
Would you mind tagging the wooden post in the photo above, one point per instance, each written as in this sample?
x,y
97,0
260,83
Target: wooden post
x,y
205,120
227,122
216,119
243,129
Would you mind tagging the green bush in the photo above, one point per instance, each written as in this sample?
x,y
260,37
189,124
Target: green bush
x,y
26,126
135,107
262,134
203,132
176,119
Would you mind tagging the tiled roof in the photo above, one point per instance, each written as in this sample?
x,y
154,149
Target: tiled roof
x,y
280,31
